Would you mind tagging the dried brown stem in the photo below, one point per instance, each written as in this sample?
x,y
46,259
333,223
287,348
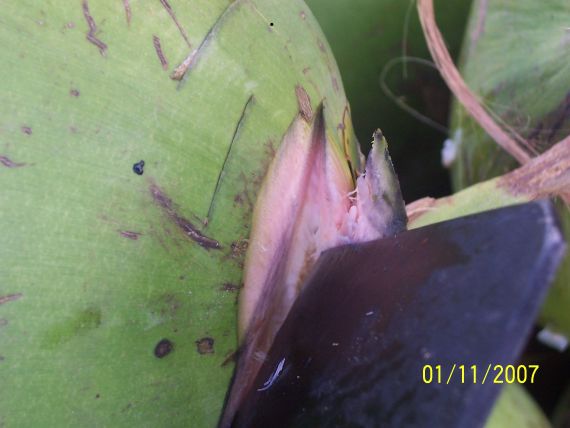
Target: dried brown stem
x,y
545,175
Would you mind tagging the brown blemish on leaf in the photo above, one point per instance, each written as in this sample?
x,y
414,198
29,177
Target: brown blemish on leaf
x,y
180,71
303,15
335,84
74,92
321,46
70,25
252,182
205,345
239,248
93,30
130,234
550,125
183,224
10,298
168,8
127,7
306,70
73,129
27,130
159,53
244,196
304,103
3,322
543,176
127,407
163,348
8,163
231,288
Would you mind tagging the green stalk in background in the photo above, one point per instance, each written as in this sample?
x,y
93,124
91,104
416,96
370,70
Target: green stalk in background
x,y
369,39
515,57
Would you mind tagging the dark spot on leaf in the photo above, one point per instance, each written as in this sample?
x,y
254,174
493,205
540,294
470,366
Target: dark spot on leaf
x,y
97,396
138,168
27,130
163,348
230,287
3,322
73,129
70,25
271,24
205,345
130,234
74,92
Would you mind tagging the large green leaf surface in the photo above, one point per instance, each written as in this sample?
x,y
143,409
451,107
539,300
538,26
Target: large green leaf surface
x,y
98,265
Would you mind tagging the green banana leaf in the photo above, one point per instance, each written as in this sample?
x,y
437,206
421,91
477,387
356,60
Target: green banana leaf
x,y
118,290
515,57
516,408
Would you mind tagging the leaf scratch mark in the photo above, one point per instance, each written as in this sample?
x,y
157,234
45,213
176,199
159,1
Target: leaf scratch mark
x,y
10,298
159,53
168,8
127,6
185,225
190,61
9,163
93,29
235,135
